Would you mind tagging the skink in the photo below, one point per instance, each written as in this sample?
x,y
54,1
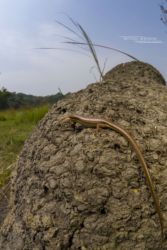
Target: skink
x,y
97,123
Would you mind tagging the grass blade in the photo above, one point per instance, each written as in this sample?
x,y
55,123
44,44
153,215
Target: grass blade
x,y
92,49
69,29
57,48
104,47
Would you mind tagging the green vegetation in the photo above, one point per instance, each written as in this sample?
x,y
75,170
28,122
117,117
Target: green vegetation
x,y
10,100
15,126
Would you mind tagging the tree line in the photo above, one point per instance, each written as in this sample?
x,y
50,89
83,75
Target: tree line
x,y
19,100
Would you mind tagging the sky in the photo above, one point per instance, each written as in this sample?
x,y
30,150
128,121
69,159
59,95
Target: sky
x,y
132,26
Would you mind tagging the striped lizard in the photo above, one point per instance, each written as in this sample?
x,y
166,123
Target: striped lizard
x,y
97,123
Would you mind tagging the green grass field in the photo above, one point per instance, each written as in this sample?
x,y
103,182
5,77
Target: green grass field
x,y
15,126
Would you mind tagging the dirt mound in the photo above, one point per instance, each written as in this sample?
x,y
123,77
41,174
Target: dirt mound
x,y
76,188
139,71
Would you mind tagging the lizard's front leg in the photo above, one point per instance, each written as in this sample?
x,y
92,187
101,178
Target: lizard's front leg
x,y
66,119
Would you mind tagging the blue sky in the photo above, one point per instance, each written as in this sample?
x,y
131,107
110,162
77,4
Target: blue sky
x,y
130,25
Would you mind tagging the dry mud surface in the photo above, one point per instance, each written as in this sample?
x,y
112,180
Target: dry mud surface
x,y
76,188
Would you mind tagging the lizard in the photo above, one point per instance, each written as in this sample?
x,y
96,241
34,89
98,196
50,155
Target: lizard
x,y
102,123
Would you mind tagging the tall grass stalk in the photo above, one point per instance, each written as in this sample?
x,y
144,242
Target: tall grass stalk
x,y
84,36
86,41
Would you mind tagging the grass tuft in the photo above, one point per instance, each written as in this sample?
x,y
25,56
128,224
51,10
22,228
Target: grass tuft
x,y
84,37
